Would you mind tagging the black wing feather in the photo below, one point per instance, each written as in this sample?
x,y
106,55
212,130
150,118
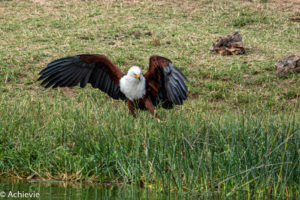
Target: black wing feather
x,y
85,80
70,71
172,92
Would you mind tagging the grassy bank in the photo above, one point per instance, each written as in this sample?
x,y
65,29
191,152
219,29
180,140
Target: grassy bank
x,y
238,133
192,152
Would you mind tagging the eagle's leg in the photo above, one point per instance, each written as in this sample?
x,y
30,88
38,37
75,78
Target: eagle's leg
x,y
131,107
149,106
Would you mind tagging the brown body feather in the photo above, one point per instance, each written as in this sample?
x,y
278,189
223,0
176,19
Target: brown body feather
x,y
114,72
143,104
153,74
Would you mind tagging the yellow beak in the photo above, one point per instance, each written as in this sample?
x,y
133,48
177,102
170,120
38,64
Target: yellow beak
x,y
137,75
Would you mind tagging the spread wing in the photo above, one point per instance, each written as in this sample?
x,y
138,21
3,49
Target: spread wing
x,y
165,83
86,68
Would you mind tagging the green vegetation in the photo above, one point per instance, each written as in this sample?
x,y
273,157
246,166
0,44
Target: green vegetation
x,y
238,133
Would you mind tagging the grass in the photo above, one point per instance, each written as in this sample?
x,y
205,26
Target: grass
x,y
238,133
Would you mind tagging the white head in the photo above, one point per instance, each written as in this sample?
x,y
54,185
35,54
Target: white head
x,y
133,85
135,72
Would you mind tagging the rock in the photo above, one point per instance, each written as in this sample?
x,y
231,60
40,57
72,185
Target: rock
x,y
288,64
148,33
232,44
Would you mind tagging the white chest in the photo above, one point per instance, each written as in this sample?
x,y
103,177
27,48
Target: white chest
x,y
133,88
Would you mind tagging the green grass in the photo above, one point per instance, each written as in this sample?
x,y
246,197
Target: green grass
x,y
237,134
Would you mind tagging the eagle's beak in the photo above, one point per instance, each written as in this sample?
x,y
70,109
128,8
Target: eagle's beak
x,y
137,75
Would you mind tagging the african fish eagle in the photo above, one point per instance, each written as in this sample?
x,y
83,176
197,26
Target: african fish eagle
x,y
162,84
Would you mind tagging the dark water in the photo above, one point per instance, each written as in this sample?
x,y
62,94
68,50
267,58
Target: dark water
x,y
35,189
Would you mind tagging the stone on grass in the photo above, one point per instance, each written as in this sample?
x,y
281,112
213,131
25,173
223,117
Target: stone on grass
x,y
231,44
287,65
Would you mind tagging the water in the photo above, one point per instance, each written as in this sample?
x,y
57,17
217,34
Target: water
x,y
59,190
56,190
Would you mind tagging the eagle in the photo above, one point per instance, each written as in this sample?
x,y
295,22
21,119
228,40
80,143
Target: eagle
x,y
163,84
